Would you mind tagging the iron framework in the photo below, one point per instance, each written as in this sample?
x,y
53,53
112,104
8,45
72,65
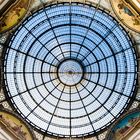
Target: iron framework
x,y
70,70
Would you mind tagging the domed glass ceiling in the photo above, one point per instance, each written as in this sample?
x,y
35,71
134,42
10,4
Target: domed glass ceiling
x,y
70,70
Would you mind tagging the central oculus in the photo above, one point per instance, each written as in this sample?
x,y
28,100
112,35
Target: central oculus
x,y
70,72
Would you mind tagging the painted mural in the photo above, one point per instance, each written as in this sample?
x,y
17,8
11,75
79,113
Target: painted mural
x,y
128,13
126,127
14,127
12,13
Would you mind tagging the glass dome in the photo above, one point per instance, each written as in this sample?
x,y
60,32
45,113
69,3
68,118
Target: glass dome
x,y
70,70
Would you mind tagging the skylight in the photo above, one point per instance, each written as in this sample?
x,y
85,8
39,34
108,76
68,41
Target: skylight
x,y
70,70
